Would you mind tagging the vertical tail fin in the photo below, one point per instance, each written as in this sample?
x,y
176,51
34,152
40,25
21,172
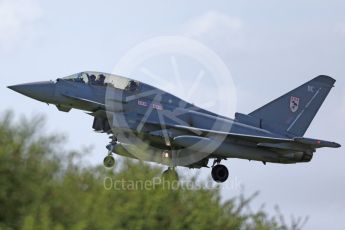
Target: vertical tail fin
x,y
292,113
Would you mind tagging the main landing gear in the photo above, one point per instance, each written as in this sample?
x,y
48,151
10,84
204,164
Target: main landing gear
x,y
219,172
109,161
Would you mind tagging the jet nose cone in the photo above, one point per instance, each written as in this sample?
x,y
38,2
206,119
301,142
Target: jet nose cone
x,y
42,91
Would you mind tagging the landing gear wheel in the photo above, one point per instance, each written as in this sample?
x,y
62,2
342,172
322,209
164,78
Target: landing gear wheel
x,y
170,174
220,173
109,161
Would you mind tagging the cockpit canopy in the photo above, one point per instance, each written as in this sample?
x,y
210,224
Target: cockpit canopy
x,y
104,79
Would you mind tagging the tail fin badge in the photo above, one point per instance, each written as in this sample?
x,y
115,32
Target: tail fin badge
x,y
294,104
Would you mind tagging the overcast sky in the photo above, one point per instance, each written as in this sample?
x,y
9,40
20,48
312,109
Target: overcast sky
x,y
269,46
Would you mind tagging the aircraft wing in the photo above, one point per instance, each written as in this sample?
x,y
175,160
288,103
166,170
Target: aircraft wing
x,y
243,137
262,141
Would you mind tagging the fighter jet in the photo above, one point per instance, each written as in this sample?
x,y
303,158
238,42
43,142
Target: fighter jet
x,y
149,124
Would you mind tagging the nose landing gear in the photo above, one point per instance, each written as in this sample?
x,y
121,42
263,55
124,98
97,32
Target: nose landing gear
x,y
109,160
219,172
170,174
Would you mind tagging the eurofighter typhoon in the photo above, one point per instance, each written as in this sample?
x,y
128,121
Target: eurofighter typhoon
x,y
149,124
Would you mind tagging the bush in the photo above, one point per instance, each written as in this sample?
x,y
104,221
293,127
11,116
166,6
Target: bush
x,y
43,188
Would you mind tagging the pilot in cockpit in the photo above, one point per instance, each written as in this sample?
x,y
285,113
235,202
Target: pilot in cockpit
x,y
132,86
100,80
92,79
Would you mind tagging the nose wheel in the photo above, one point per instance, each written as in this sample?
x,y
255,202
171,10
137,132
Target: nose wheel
x,y
109,161
219,173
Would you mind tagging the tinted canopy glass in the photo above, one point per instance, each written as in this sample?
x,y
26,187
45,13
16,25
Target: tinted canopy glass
x,y
104,79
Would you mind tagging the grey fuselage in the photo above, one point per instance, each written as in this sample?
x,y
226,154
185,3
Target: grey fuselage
x,y
163,120
68,94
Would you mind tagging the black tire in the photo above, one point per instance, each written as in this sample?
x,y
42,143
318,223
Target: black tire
x,y
109,162
220,173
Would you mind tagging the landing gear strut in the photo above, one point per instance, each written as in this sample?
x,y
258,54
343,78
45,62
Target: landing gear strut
x,y
170,174
109,160
219,172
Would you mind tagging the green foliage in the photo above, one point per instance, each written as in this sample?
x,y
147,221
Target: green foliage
x,y
42,187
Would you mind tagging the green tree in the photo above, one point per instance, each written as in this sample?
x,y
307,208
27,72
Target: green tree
x,y
42,186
